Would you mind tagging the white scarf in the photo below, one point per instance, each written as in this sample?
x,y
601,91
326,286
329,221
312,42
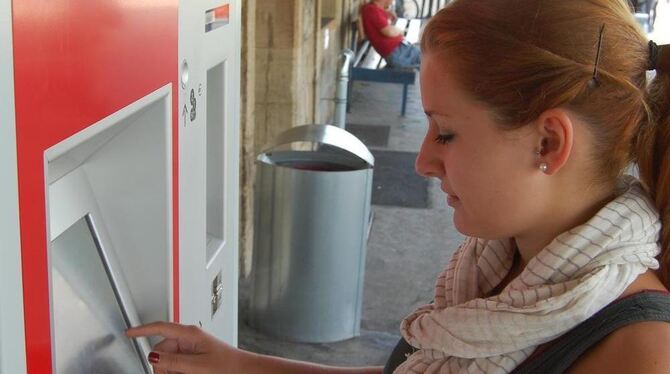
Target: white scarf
x,y
577,274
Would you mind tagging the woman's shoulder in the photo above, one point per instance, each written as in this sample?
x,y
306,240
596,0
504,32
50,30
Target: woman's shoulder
x,y
630,335
638,347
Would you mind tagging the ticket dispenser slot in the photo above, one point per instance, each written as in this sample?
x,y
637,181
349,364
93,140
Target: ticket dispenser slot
x,y
216,106
108,201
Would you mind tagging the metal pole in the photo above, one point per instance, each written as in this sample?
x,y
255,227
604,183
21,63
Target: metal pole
x,y
342,85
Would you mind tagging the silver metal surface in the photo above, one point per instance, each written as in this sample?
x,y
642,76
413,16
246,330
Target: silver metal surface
x,y
12,337
312,219
89,319
343,145
346,57
184,74
217,293
118,170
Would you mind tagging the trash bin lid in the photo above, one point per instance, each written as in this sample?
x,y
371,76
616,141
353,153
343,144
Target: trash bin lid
x,y
318,143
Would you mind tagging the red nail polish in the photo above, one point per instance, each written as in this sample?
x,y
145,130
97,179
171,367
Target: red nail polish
x,y
154,357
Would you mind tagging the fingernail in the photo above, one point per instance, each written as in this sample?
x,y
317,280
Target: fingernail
x,y
154,357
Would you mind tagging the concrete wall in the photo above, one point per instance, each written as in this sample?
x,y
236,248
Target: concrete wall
x,y
290,54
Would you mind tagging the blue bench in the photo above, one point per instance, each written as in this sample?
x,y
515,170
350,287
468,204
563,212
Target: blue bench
x,y
369,66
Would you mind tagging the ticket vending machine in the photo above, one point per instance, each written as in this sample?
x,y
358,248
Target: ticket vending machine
x,y
119,154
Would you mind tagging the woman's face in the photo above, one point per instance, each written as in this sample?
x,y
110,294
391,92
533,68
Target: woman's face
x,y
490,175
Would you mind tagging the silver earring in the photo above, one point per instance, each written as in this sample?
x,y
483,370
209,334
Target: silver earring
x,y
544,167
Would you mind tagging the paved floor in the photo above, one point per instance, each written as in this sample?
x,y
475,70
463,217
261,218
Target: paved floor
x,y
406,250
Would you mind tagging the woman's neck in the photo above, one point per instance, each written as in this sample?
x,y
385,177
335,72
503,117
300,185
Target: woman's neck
x,y
565,215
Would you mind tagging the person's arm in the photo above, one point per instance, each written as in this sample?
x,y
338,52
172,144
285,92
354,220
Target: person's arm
x,y
379,22
391,31
188,349
391,15
637,348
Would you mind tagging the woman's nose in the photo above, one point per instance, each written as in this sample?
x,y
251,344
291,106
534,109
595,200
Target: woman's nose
x,y
427,165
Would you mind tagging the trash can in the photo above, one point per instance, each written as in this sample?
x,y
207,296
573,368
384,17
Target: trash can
x,y
312,222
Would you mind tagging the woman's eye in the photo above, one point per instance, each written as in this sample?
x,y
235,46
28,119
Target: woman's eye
x,y
444,138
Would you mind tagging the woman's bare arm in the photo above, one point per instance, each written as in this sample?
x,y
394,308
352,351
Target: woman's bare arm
x,y
637,348
188,349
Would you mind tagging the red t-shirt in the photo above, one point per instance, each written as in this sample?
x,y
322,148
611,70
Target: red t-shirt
x,y
374,20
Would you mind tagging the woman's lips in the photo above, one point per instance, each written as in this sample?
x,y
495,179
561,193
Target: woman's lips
x,y
452,200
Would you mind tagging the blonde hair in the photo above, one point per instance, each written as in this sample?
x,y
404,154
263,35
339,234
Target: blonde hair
x,y
522,57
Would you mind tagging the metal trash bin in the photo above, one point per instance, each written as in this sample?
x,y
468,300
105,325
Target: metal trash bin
x,y
312,222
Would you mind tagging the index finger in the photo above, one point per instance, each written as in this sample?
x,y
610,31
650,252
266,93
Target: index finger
x,y
165,329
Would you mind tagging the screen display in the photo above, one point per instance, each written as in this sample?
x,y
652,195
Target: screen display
x,y
89,322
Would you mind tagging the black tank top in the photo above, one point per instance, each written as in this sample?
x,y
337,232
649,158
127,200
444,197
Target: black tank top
x,y
560,354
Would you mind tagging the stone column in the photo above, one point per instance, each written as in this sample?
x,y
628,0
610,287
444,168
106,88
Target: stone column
x,y
289,63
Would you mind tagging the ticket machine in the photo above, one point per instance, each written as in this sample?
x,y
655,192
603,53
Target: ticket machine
x,y
119,154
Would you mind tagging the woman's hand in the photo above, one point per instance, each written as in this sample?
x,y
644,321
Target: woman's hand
x,y
188,349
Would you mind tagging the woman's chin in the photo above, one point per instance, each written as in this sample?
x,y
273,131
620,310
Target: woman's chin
x,y
461,225
467,228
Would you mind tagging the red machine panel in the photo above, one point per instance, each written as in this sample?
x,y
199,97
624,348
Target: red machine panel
x,y
75,63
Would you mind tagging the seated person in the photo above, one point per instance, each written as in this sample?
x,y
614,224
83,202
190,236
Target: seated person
x,y
387,39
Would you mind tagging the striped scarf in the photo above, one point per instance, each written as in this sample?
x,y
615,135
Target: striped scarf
x,y
577,274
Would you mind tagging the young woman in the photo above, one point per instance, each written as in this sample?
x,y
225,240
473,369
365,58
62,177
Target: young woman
x,y
536,108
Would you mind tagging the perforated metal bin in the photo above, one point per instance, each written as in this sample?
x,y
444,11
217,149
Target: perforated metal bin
x,y
312,222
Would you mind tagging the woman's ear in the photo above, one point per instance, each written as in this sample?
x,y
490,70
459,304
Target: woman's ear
x,y
556,133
